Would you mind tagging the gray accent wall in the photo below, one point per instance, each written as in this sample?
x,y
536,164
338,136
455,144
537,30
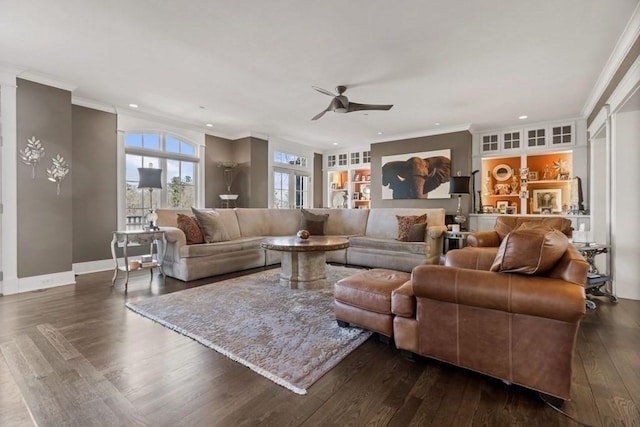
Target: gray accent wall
x,y
251,176
95,180
216,150
458,142
45,232
259,173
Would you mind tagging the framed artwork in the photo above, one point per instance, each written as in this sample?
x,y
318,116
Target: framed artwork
x,y
502,206
511,210
487,208
548,200
533,175
423,175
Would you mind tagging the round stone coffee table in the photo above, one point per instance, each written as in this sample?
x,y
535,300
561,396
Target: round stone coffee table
x,y
304,265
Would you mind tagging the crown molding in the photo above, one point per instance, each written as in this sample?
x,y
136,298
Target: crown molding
x,y
620,51
93,104
423,133
47,80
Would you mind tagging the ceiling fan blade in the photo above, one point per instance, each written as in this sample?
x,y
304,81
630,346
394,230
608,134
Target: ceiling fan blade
x,y
326,92
321,113
354,106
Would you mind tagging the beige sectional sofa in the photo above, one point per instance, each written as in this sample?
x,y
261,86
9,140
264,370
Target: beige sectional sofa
x,y
371,232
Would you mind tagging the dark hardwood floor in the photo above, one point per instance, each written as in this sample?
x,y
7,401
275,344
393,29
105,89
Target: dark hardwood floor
x,y
75,355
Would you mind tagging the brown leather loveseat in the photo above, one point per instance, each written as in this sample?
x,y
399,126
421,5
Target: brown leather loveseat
x,y
520,328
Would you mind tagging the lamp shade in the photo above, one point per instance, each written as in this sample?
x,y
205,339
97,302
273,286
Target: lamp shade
x,y
150,178
459,185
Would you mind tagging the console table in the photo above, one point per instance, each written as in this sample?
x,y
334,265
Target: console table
x,y
595,280
137,237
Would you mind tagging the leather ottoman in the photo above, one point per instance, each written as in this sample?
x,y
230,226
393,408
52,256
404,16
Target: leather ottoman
x,y
364,299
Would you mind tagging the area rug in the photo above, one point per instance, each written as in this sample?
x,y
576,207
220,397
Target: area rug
x,y
289,336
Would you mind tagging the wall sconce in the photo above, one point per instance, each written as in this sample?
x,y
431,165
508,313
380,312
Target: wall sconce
x,y
58,171
32,154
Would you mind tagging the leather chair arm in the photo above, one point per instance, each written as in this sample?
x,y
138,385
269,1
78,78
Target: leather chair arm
x,y
403,303
474,258
513,293
483,238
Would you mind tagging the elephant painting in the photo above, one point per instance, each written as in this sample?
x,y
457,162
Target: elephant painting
x,y
415,177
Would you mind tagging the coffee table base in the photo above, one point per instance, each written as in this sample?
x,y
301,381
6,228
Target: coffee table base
x,y
303,270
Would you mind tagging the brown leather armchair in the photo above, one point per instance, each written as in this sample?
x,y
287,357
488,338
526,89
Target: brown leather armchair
x,y
507,223
515,327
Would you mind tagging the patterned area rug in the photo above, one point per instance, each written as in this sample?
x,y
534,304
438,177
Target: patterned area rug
x,y
289,336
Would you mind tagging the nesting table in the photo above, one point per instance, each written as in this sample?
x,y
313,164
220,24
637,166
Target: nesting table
x,y
596,283
303,263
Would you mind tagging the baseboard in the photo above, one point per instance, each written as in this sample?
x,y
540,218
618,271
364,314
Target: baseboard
x,y
34,283
93,266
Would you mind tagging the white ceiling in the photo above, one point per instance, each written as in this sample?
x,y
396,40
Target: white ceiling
x,y
251,64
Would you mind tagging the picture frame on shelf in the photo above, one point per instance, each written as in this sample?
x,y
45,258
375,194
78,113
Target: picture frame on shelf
x,y
511,210
502,205
533,175
487,209
547,200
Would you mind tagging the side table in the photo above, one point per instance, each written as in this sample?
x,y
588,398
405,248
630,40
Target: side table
x,y
137,237
595,280
460,237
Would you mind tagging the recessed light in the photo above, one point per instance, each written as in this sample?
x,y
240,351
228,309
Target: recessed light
x,y
437,123
133,105
209,125
523,117
335,143
379,133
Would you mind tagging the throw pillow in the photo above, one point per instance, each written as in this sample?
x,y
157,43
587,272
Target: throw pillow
x,y
315,224
530,250
405,223
190,228
210,225
416,232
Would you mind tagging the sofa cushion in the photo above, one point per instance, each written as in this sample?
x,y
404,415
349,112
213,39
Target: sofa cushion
x,y
416,232
210,225
315,224
387,245
405,223
530,249
221,248
190,228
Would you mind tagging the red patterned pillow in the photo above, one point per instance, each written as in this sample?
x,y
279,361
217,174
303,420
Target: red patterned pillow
x,y
190,228
405,223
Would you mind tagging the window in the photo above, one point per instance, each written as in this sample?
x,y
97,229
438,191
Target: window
x,y
331,160
291,189
342,159
178,160
289,159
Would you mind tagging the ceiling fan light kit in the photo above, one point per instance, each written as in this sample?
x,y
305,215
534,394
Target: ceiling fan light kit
x,y
340,103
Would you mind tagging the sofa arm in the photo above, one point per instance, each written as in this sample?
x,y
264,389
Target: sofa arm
x,y
512,293
433,239
483,238
175,240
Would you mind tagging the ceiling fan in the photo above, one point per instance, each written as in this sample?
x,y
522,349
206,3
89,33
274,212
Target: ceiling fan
x,y
341,104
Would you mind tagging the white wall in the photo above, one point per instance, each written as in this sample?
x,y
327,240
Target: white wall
x,y
626,204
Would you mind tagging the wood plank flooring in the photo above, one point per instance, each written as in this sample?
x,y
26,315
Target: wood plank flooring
x,y
75,355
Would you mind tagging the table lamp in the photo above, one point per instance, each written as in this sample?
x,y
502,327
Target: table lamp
x,y
150,178
459,185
